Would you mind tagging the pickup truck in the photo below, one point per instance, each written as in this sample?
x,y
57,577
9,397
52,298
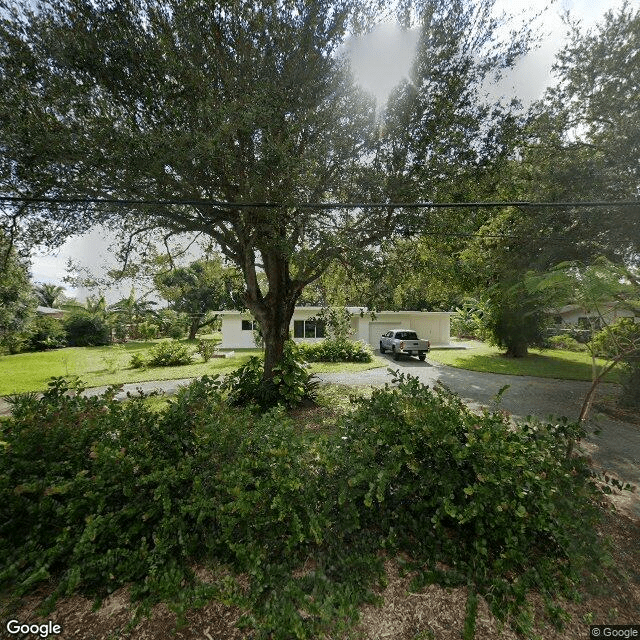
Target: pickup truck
x,y
403,341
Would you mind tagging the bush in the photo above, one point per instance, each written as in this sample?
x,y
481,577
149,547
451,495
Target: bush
x,y
622,339
207,348
46,333
96,494
169,353
137,362
84,329
501,507
337,351
566,342
470,320
172,324
109,493
292,382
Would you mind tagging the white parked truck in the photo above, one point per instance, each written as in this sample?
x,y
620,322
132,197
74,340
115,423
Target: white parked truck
x,y
404,341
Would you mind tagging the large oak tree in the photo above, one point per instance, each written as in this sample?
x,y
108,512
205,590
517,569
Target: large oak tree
x,y
238,102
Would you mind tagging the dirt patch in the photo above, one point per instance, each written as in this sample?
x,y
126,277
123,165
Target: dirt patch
x,y
609,407
435,613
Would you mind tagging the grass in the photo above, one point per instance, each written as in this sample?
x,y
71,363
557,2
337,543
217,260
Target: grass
x,y
98,366
548,363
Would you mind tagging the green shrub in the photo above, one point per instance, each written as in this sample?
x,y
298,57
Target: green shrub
x,y
206,348
172,324
95,494
622,339
502,507
46,333
147,330
85,329
566,342
137,361
169,353
329,350
292,382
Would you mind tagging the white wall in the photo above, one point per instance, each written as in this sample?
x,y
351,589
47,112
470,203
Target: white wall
x,y
571,316
233,337
429,326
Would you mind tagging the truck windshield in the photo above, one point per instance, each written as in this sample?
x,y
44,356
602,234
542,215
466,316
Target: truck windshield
x,y
406,335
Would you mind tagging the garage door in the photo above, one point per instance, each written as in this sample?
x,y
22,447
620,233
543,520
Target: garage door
x,y
376,329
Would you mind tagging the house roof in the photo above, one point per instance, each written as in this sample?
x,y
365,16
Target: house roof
x,y
353,310
49,311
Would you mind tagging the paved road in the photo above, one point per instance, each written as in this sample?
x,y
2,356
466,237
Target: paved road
x,y
616,449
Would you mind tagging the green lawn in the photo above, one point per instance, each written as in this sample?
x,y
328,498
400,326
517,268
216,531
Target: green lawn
x,y
98,366
548,363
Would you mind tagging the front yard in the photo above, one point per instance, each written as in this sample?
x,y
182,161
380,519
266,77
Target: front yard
x,y
547,363
98,366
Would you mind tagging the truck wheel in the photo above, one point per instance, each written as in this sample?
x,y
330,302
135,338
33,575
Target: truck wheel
x,y
422,358
382,349
396,355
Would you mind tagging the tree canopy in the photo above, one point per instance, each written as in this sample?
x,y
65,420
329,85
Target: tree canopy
x,y
243,102
199,290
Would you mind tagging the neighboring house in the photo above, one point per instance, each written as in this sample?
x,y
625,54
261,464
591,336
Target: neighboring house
x,y
237,327
50,312
586,318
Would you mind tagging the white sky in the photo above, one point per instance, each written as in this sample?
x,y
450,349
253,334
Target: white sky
x,y
380,62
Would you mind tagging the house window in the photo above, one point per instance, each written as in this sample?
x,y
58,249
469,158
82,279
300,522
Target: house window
x,y
248,325
308,329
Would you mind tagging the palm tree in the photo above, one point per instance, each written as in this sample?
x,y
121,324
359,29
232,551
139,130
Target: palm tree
x,y
48,294
130,312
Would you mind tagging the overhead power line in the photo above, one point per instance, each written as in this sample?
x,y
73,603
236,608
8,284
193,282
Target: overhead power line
x,y
318,205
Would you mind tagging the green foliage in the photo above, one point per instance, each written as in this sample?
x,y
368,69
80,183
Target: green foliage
x,y
336,350
206,348
567,342
86,329
137,361
17,302
621,340
95,494
200,289
291,384
48,294
516,318
147,330
469,321
46,333
169,353
171,324
502,507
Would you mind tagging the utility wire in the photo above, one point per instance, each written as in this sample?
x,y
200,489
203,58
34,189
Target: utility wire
x,y
319,205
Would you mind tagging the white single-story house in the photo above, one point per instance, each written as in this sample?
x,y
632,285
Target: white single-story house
x,y
237,327
576,315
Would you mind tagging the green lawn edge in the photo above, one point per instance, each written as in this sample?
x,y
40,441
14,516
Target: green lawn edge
x,y
541,363
109,365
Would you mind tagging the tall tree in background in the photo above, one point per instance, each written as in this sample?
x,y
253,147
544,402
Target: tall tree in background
x,y
581,142
584,144
241,102
199,290
17,302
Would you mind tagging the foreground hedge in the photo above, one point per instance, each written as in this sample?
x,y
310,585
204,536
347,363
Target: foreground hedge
x,y
96,493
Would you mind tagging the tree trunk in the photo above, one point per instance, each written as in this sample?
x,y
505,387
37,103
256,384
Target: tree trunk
x,y
275,310
193,328
517,350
